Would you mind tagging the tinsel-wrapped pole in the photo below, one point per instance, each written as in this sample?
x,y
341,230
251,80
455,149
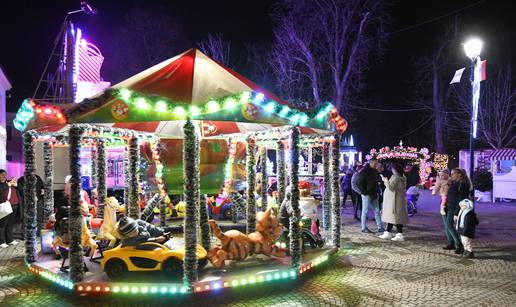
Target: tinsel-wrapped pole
x,y
191,196
101,176
48,169
158,175
75,226
134,158
327,189
280,171
295,246
265,177
147,212
126,180
251,182
29,193
94,167
335,193
205,227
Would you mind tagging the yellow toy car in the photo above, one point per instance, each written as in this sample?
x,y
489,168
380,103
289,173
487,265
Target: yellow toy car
x,y
148,256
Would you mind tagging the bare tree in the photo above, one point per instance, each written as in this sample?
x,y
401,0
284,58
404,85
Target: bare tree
x,y
433,72
325,46
216,47
497,113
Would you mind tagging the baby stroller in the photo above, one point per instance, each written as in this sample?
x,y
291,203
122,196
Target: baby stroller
x,y
412,198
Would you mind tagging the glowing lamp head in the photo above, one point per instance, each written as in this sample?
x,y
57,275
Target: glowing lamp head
x,y
473,47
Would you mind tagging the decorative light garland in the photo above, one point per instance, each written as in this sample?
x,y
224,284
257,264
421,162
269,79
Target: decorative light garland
x,y
134,200
280,171
48,169
228,167
265,177
335,190
327,189
30,190
295,218
101,176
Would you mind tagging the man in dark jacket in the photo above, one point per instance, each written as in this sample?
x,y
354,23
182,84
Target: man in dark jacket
x,y
368,184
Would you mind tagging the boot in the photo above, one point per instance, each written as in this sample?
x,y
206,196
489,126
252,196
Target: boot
x,y
468,255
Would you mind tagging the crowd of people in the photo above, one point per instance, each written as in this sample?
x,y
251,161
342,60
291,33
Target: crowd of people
x,y
383,189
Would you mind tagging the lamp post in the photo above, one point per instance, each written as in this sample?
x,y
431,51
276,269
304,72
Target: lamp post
x,y
472,47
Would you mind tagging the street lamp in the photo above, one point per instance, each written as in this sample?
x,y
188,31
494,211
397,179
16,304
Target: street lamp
x,y
473,47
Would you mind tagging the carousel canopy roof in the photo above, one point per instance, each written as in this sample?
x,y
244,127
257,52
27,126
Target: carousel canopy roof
x,y
190,85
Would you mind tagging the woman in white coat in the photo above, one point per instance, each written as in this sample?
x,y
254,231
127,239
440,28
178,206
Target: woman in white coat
x,y
395,203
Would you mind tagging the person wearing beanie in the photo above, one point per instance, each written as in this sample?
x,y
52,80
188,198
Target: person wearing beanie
x,y
134,232
467,222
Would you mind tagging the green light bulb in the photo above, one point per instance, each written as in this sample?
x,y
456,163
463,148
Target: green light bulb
x,y
161,106
194,110
125,94
141,103
179,111
213,106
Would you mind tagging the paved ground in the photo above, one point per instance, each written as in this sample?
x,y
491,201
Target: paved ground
x,y
367,272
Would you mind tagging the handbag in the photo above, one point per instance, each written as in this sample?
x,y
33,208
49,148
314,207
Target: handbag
x,y
5,207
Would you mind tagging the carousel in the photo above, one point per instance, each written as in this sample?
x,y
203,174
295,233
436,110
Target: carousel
x,y
180,124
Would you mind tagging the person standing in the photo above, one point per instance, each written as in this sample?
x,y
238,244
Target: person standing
x,y
441,187
9,193
458,191
395,203
368,185
357,203
467,222
345,185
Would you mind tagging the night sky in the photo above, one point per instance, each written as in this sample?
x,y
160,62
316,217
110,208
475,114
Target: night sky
x,y
30,27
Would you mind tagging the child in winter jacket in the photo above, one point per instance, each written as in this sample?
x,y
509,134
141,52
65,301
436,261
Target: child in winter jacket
x,y
441,187
467,221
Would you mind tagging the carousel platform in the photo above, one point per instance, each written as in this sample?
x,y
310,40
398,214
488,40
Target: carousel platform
x,y
253,271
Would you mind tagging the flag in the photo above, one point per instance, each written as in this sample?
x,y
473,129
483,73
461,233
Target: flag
x,y
482,69
457,76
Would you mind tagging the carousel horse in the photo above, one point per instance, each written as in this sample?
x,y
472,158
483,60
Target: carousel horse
x,y
107,229
236,245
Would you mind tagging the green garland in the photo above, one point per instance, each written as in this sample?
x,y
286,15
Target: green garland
x,y
327,189
29,193
251,181
94,167
127,175
237,206
191,195
280,171
134,204
153,202
75,226
295,233
335,193
48,169
205,227
101,177
265,177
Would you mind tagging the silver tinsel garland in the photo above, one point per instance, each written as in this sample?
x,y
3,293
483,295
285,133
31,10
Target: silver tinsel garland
x,y
101,176
29,193
134,158
251,181
280,171
75,224
191,196
335,193
327,189
127,180
205,227
48,169
265,177
295,233
94,167
237,206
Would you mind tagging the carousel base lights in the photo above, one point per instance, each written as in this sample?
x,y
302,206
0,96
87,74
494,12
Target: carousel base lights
x,y
131,288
